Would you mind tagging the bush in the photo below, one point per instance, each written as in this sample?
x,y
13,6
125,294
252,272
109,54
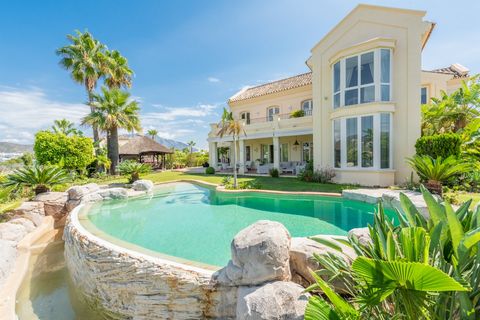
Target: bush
x,y
69,152
210,170
274,173
324,175
133,169
440,145
297,114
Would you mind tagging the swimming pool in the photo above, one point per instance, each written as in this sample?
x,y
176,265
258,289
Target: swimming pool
x,y
196,223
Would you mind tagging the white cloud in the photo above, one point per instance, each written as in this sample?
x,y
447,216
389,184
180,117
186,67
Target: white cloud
x,y
171,114
213,79
25,111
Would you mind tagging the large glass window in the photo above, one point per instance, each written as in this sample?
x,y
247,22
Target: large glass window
x,y
337,143
352,142
307,151
247,153
265,153
284,152
307,107
271,112
424,95
385,140
361,84
367,141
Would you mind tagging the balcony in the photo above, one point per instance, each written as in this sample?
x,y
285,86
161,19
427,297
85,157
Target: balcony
x,y
278,117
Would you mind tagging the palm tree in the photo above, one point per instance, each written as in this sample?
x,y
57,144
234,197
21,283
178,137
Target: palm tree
x,y
230,126
40,178
85,59
116,70
113,110
191,144
66,127
152,133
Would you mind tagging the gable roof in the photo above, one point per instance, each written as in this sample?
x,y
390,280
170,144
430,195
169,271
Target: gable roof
x,y
297,81
140,144
456,70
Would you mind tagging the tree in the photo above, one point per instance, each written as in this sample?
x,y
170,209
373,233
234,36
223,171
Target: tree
x,y
152,133
230,126
65,127
85,59
113,110
117,72
191,144
40,178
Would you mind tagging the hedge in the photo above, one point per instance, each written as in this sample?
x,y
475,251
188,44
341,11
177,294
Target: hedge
x,y
70,152
440,145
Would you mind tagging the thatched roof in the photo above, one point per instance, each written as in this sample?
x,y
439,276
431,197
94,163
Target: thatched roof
x,y
137,145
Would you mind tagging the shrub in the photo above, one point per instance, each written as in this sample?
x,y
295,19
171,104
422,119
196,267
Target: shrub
x,y
210,170
133,169
440,145
297,114
274,173
324,175
250,184
69,152
40,178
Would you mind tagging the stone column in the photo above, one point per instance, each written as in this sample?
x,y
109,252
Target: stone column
x,y
212,154
276,152
241,158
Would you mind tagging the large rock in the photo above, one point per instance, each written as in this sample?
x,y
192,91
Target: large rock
x,y
12,232
8,254
273,301
54,203
31,210
26,223
78,192
362,234
260,253
302,260
113,193
142,185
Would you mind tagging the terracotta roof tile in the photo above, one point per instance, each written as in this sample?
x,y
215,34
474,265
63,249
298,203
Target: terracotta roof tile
x,y
273,87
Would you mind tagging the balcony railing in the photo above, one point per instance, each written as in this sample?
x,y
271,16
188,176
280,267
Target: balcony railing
x,y
271,118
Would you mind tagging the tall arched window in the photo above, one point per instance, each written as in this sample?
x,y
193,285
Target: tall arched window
x,y
307,107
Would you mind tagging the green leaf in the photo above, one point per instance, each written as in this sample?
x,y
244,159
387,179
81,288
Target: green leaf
x,y
471,238
455,226
327,242
411,212
319,309
437,212
405,275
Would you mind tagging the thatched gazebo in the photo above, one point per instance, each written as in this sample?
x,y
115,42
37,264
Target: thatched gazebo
x,y
143,149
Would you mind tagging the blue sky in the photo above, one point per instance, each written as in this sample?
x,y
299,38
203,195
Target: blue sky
x,y
189,57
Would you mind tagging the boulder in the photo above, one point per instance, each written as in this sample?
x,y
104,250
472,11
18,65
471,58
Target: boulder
x,y
32,210
78,192
142,185
12,231
54,203
92,197
260,253
302,260
113,193
278,300
26,223
8,252
362,234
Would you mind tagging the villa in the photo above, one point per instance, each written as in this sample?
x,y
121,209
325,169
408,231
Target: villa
x,y
357,110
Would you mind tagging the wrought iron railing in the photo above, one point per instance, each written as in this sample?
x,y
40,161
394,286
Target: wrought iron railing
x,y
275,117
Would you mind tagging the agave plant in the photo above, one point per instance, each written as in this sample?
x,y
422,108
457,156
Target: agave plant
x,y
133,169
437,171
40,178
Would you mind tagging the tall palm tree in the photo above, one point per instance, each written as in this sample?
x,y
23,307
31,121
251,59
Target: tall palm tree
x,y
84,58
66,127
152,133
191,144
231,126
117,72
113,110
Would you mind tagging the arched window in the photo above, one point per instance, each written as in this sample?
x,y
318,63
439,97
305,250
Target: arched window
x,y
271,112
307,107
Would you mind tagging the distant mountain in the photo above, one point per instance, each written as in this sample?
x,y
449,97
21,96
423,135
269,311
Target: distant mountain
x,y
169,143
8,147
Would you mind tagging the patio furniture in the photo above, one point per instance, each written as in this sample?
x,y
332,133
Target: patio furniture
x,y
287,167
264,168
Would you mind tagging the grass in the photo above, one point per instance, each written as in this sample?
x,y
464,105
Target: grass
x,y
465,196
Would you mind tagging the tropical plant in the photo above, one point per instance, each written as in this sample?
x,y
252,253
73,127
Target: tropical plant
x,y
69,152
40,178
425,268
117,72
273,172
191,144
437,171
85,59
65,127
103,162
133,169
113,110
152,133
439,145
231,126
297,114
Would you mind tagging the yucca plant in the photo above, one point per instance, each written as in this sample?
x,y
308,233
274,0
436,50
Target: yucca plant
x,y
436,172
39,178
133,169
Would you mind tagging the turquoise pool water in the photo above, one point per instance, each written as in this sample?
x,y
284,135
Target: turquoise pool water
x,y
195,223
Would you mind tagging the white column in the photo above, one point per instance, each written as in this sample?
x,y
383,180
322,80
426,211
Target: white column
x,y
212,154
276,152
241,158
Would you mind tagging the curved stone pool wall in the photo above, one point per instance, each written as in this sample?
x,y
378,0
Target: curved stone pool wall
x,y
128,284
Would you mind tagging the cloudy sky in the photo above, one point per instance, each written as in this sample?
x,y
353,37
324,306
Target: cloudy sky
x,y
189,57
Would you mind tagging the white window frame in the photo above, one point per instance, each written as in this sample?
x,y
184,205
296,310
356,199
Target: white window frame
x,y
244,117
376,143
376,78
426,94
271,117
308,111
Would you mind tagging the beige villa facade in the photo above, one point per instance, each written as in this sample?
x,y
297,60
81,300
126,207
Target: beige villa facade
x,y
357,110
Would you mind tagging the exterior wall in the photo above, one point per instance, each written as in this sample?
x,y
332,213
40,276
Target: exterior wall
x,y
365,28
438,82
